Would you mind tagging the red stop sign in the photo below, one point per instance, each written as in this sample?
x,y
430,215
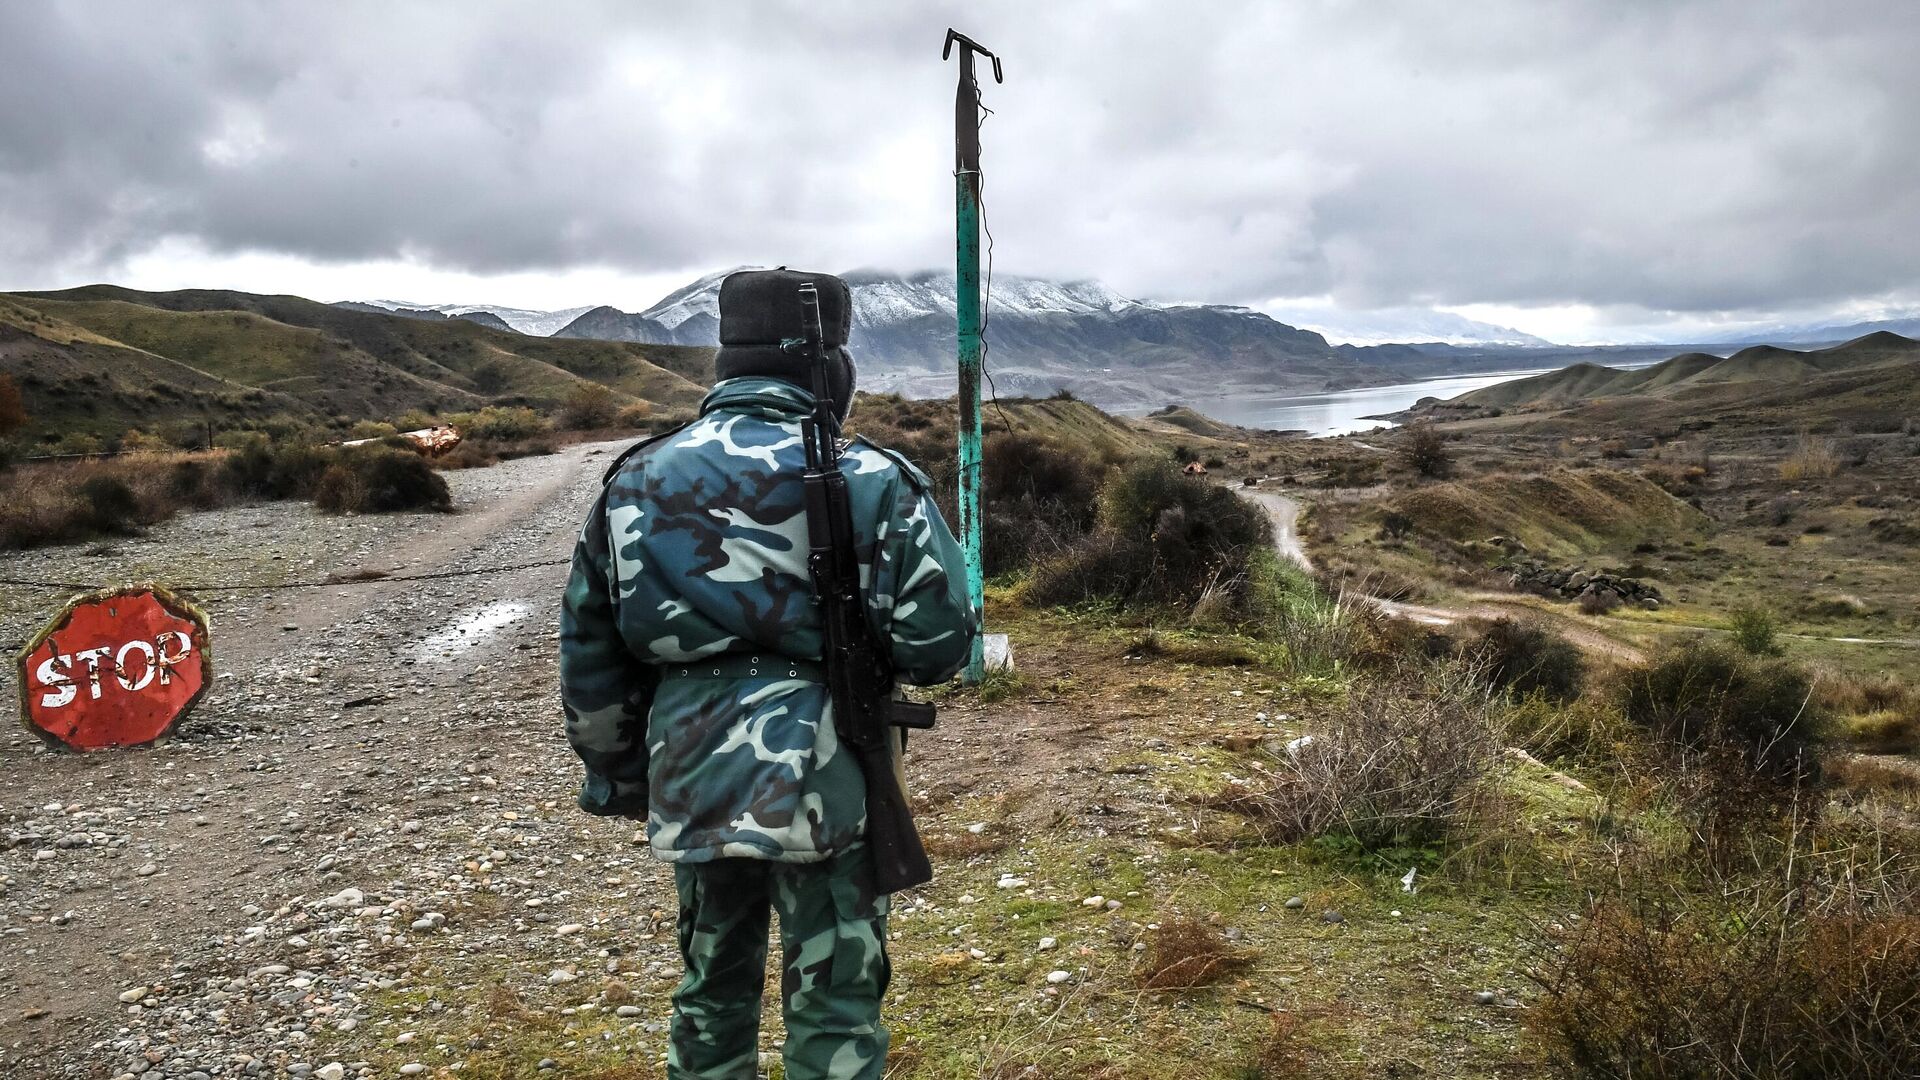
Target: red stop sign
x,y
118,667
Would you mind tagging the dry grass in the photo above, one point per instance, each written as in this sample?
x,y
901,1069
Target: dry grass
x,y
67,501
1185,953
64,501
1813,458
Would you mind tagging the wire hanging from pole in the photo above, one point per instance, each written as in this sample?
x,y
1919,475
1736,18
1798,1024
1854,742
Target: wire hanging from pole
x,y
986,294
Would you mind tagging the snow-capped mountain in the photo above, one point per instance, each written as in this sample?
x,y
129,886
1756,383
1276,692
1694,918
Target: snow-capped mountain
x,y
1402,326
1047,333
522,320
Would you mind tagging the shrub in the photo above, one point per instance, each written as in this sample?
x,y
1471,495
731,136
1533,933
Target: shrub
x,y
1659,990
111,506
499,423
1424,449
371,429
379,480
1738,737
339,490
636,416
1041,498
1814,458
1888,731
136,441
1396,525
1754,631
1403,761
76,443
1526,658
589,406
1161,538
1702,696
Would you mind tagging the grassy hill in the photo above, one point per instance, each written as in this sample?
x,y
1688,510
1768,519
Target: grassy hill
x,y
76,380
1805,385
1562,511
177,355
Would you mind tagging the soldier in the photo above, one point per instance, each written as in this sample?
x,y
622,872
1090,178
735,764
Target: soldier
x,y
689,670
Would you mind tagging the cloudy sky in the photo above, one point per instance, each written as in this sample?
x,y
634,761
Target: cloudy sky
x,y
1606,170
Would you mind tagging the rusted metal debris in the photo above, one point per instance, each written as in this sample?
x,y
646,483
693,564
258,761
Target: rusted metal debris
x,y
432,441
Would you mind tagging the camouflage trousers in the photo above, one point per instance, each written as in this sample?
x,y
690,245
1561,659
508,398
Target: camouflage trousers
x,y
833,934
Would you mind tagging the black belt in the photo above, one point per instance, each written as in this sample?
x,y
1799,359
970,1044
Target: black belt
x,y
743,666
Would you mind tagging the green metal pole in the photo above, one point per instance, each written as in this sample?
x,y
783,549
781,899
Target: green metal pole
x,y
967,270
966,215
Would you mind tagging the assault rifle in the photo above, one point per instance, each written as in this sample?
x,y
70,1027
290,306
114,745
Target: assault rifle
x,y
860,676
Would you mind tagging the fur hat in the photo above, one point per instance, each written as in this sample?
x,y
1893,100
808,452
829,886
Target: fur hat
x,y
760,309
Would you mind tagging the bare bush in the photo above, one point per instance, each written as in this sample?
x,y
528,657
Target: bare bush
x,y
1668,989
1734,738
1403,761
1185,953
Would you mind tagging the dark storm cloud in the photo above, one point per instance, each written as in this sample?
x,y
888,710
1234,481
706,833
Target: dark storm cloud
x,y
1687,157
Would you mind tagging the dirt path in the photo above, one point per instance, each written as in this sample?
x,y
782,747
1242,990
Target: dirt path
x,y
121,866
1285,513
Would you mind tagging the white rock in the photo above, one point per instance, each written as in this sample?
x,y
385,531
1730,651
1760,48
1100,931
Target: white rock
x,y
569,929
560,975
332,1070
1045,944
1057,977
345,898
128,997
1093,901
412,1068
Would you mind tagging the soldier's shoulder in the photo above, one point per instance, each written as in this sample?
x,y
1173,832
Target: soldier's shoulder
x,y
639,450
871,457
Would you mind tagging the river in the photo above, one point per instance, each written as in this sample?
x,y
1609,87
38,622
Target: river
x,y
1344,412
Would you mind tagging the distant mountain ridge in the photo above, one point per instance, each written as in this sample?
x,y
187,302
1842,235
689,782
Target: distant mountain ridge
x,y
1820,333
1042,335
1871,382
1405,326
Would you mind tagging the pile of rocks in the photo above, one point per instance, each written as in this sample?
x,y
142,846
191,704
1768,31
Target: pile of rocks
x,y
1573,583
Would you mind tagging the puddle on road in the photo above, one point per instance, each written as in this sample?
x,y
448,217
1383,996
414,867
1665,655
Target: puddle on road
x,y
469,630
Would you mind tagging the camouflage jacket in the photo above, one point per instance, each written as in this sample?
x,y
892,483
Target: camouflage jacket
x,y
696,550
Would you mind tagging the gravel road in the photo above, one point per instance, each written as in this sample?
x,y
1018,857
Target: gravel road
x,y
370,759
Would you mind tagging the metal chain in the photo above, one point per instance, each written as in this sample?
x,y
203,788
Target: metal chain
x,y
324,584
